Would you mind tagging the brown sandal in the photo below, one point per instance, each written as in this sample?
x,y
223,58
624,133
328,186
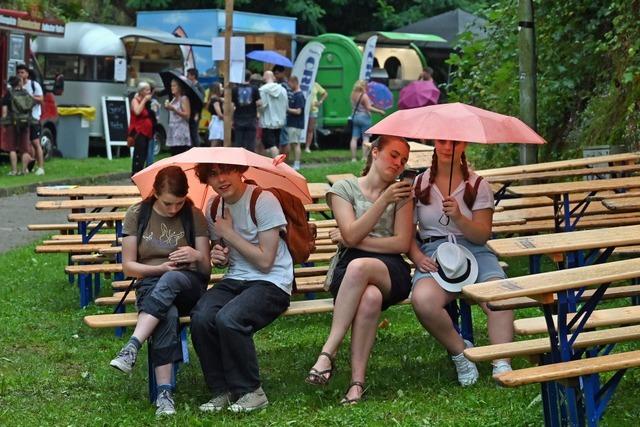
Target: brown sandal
x,y
315,377
346,401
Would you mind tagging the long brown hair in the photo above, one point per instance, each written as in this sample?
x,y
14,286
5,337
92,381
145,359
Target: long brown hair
x,y
380,143
470,192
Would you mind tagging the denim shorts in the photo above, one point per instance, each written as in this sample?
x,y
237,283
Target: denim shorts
x,y
361,122
488,265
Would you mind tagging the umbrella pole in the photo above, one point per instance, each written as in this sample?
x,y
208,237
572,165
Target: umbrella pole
x,y
453,152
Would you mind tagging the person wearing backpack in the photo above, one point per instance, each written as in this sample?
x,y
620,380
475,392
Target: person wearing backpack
x,y
16,117
254,291
35,128
245,99
467,214
375,227
166,248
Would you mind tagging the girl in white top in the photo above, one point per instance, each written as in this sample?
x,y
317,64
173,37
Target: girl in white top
x,y
467,213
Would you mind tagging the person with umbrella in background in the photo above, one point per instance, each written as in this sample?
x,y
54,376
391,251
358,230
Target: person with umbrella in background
x,y
179,107
166,248
361,117
254,291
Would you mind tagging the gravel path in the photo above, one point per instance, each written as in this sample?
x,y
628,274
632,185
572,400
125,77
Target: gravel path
x,y
19,211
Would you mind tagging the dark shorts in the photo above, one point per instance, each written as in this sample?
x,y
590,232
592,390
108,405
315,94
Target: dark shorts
x,y
270,137
399,272
35,131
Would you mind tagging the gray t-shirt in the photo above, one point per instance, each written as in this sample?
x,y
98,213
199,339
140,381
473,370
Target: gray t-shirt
x,y
349,190
269,215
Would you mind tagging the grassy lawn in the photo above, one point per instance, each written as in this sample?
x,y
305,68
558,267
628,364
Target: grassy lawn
x,y
54,370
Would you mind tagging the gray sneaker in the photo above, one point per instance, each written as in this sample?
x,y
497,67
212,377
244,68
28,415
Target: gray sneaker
x,y
216,404
164,403
125,359
250,401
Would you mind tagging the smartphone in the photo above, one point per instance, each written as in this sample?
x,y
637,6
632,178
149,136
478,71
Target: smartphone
x,y
408,175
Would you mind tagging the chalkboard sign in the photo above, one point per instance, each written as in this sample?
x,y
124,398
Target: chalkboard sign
x,y
115,116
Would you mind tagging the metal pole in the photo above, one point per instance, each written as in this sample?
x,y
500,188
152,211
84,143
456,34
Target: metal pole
x,y
528,65
228,32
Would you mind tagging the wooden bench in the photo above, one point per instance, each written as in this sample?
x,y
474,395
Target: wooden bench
x,y
564,173
72,248
593,221
75,239
333,178
77,191
538,346
123,202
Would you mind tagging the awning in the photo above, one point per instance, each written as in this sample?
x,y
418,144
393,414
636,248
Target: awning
x,y
388,37
14,20
182,41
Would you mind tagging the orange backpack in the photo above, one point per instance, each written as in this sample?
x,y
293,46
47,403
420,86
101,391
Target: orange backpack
x,y
300,236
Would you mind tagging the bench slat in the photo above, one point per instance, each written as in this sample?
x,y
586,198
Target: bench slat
x,y
72,249
572,369
598,319
541,345
93,269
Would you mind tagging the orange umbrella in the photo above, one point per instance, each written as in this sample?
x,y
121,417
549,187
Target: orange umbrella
x,y
456,122
265,171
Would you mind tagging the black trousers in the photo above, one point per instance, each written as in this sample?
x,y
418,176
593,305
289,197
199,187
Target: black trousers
x,y
140,150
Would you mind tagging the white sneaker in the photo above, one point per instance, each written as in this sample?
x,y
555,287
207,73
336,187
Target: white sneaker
x,y
306,150
216,404
500,367
296,165
165,404
39,172
466,369
250,401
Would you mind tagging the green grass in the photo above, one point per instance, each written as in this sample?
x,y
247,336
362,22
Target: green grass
x,y
54,369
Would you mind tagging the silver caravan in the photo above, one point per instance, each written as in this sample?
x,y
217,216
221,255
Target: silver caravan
x,y
90,56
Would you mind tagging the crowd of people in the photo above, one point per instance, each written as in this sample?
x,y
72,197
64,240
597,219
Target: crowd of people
x,y
169,246
20,117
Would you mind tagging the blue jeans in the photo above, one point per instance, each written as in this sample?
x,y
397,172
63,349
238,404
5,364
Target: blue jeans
x,y
222,326
361,122
150,156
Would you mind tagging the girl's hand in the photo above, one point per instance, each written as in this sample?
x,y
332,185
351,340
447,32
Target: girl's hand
x,y
451,208
426,264
184,255
336,236
169,266
223,226
396,192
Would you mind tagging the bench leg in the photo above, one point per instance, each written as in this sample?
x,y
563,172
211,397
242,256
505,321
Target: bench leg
x,y
71,278
84,289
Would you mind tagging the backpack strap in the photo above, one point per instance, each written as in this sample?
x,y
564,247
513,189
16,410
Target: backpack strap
x,y
252,203
143,218
214,208
186,218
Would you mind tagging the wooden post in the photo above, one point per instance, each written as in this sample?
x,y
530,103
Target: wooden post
x,y
528,65
228,33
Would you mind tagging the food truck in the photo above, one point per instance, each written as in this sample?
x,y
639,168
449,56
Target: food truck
x,y
108,61
16,30
398,61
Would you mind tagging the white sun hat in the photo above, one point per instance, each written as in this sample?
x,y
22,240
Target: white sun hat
x,y
457,267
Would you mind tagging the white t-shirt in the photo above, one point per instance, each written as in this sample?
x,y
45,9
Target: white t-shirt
x,y
269,215
427,216
36,112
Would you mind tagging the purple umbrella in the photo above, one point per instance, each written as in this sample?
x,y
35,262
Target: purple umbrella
x,y
418,94
380,95
270,57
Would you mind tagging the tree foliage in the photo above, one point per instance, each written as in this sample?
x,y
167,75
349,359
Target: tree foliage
x,y
588,72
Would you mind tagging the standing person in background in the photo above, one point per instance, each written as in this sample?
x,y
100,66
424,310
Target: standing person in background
x,y
295,119
216,124
362,107
281,79
273,112
16,125
141,126
179,107
246,99
35,128
194,119
154,108
318,95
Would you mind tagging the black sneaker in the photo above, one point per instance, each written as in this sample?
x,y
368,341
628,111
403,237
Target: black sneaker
x,y
31,165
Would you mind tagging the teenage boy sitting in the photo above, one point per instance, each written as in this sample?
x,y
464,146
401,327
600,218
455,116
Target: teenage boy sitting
x,y
254,291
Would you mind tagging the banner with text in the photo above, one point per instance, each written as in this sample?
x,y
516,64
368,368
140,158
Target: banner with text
x,y
368,55
305,69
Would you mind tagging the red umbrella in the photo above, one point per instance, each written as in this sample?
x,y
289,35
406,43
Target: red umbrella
x,y
419,93
265,171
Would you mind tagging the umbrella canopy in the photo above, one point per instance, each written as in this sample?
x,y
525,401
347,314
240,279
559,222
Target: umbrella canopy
x,y
456,122
271,57
196,98
380,95
267,172
419,93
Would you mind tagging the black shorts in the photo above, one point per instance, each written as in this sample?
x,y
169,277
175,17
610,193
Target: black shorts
x,y
35,131
270,137
399,273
